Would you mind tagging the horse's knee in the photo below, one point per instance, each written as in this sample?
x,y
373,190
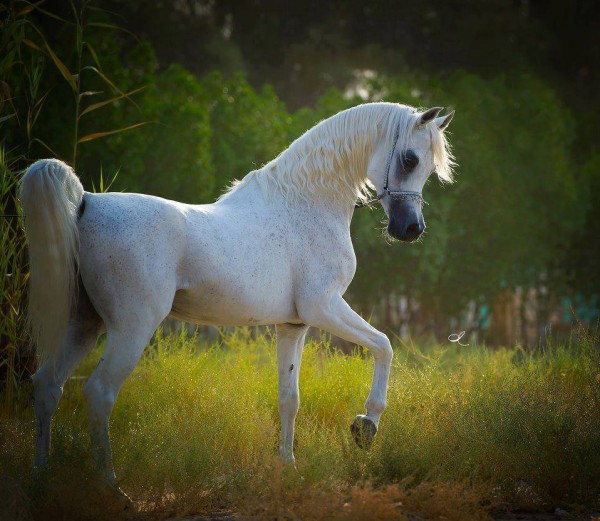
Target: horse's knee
x,y
383,349
47,393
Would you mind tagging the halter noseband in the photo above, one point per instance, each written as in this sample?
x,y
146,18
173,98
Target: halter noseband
x,y
396,195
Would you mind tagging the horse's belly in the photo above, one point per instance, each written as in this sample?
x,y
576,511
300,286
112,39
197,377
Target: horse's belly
x,y
229,305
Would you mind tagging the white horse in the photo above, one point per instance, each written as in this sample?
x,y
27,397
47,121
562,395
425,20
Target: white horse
x,y
274,249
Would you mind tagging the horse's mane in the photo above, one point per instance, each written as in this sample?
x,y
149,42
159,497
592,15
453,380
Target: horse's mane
x,y
333,155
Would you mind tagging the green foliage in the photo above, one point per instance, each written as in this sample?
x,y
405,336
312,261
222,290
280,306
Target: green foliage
x,y
249,127
196,426
517,191
203,135
583,262
78,79
170,157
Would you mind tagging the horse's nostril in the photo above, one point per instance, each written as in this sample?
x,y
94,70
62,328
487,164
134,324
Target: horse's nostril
x,y
412,230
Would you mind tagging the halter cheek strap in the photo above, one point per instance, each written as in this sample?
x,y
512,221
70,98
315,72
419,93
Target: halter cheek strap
x,y
396,195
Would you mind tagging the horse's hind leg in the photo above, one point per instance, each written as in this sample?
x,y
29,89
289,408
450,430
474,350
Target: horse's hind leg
x,y
80,338
290,341
124,347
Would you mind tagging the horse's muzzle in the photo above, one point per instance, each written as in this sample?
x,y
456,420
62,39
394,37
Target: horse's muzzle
x,y
408,233
406,226
406,220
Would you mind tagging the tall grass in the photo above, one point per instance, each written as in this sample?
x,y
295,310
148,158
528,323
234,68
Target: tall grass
x,y
14,359
26,50
196,429
23,95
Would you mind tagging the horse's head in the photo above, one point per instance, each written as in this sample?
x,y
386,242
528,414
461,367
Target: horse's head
x,y
400,174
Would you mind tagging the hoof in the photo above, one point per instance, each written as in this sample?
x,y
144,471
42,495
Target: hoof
x,y
122,500
363,429
39,471
114,498
291,473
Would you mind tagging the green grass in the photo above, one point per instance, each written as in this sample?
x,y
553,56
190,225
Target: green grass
x,y
196,429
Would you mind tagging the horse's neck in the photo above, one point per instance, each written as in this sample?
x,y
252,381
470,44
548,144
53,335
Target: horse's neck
x,y
325,167
331,172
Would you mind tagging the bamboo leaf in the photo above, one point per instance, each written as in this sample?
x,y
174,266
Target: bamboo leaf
x,y
56,17
114,28
29,8
39,106
102,76
33,45
4,118
41,100
57,61
100,104
97,135
90,93
102,10
107,80
94,55
62,68
75,13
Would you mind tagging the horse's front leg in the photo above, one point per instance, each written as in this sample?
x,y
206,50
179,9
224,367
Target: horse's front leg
x,y
290,341
337,317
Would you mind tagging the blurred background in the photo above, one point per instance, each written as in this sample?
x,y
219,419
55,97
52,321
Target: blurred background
x,y
179,98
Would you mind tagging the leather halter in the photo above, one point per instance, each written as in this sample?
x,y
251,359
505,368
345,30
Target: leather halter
x,y
396,195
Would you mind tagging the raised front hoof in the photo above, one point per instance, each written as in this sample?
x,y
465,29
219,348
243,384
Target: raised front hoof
x,y
363,429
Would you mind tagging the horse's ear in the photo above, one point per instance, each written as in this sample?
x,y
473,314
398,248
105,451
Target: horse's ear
x,y
430,115
443,121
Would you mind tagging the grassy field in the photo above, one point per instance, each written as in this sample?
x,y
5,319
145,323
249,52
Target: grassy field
x,y
468,431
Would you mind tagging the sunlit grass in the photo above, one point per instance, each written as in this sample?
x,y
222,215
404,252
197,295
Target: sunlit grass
x,y
196,429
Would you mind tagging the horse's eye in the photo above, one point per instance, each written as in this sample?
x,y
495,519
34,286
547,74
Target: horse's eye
x,y
409,161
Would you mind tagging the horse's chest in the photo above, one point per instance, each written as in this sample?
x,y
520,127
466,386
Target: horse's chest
x,y
329,257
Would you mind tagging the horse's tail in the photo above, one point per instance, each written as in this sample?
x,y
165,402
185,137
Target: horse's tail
x,y
50,195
